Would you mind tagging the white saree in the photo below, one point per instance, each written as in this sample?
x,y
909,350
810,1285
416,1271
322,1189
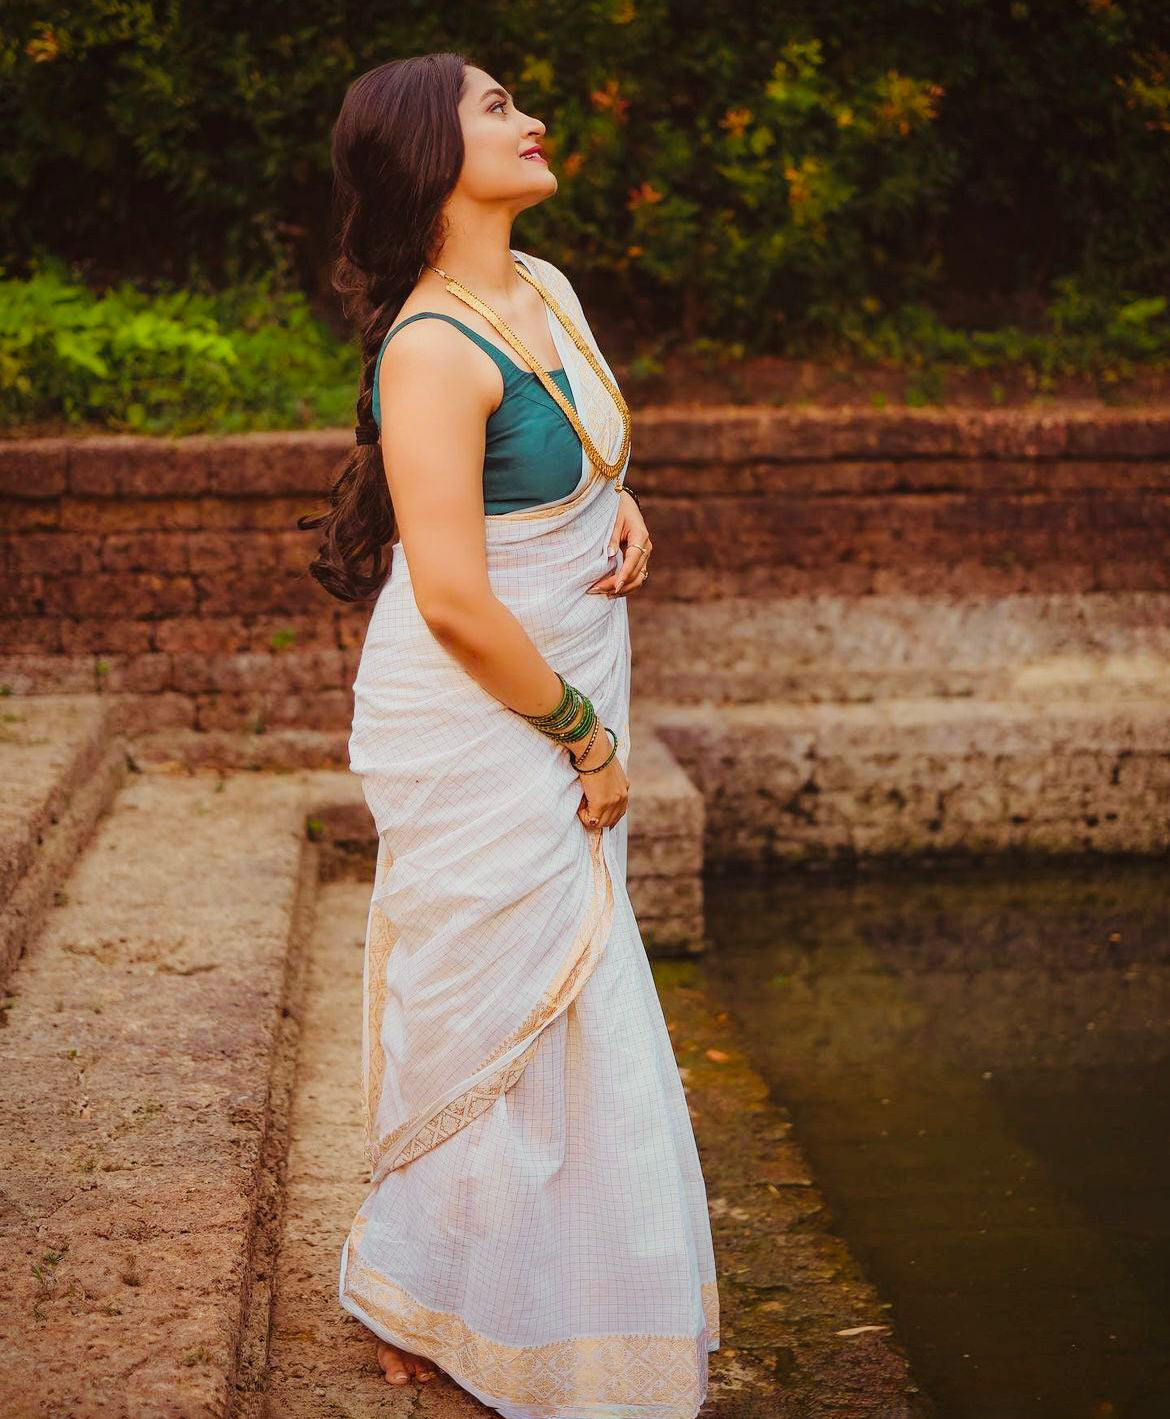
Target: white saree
x,y
537,1222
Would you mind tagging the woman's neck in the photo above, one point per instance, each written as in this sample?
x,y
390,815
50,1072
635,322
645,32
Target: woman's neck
x,y
484,265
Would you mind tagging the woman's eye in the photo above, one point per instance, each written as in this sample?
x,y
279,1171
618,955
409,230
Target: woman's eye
x,y
499,103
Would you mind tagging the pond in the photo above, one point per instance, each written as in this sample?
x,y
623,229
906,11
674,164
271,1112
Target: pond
x,y
977,1063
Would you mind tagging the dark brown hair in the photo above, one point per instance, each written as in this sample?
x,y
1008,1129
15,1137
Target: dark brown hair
x,y
397,150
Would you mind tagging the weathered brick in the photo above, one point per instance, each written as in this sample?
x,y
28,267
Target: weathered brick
x,y
18,516
1151,575
290,551
208,635
257,549
34,594
224,673
129,465
31,634
137,713
143,674
114,635
54,553
277,463
353,621
145,552
315,631
321,709
328,709
47,674
278,514
34,468
257,592
135,594
214,552
274,672
130,514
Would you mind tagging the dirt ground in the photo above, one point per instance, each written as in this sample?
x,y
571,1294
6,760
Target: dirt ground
x,y
774,380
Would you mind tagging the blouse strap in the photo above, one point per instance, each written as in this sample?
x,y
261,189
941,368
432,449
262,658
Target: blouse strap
x,y
506,363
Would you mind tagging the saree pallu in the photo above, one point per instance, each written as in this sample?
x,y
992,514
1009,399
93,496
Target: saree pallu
x,y
537,1221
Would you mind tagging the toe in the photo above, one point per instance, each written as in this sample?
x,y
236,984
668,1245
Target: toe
x,y
392,1366
420,1367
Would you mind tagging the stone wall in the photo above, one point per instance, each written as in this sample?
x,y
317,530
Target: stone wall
x,y
799,555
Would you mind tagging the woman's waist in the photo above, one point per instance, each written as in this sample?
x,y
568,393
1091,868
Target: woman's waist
x,y
527,581
558,613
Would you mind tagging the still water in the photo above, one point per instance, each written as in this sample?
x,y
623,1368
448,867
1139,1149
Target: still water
x,y
977,1062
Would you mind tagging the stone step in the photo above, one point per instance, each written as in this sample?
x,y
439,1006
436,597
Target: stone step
x,y
320,1357
665,858
824,647
141,1094
920,777
60,764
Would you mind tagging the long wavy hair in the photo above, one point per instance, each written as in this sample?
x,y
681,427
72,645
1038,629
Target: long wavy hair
x,y
397,151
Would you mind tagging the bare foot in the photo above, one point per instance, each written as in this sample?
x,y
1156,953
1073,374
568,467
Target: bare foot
x,y
400,1365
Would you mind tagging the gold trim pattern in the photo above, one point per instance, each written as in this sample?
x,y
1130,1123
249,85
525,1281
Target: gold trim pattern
x,y
593,475
709,1294
610,468
630,1374
385,1153
382,936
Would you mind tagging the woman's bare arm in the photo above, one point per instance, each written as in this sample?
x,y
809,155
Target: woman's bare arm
x,y
435,400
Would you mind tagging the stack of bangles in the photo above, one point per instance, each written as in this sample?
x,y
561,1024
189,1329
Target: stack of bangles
x,y
572,719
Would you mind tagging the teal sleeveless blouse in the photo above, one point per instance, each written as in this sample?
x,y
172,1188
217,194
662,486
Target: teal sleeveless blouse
x,y
532,454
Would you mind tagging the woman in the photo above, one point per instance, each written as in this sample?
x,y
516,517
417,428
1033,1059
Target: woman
x,y
537,1224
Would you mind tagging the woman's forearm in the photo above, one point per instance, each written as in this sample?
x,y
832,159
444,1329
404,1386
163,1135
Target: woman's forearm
x,y
493,647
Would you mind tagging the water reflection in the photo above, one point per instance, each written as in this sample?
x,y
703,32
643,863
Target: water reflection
x,y
976,1061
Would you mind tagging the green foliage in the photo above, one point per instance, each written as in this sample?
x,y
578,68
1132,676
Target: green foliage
x,y
251,357
1080,333
972,185
754,173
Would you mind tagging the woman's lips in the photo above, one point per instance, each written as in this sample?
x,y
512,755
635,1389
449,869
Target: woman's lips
x,y
531,157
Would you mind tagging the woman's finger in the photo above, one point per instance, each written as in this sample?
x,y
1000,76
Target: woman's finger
x,y
633,559
639,577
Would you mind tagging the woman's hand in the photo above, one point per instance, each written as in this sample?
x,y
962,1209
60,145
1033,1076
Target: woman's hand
x,y
630,534
606,792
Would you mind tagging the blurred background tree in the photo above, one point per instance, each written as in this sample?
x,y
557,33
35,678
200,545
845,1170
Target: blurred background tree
x,y
765,174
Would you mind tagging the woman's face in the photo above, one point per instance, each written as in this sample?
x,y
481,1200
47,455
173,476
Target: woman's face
x,y
495,135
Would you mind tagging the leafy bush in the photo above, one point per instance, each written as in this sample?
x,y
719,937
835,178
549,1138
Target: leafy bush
x,y
1079,333
252,357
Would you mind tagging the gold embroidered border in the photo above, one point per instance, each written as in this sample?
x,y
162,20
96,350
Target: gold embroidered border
x,y
385,1154
382,937
561,288
663,1374
709,1293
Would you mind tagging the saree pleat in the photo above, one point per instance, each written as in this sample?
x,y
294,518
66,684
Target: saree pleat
x,y
537,1219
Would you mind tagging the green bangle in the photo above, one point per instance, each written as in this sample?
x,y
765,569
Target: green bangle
x,y
578,728
565,700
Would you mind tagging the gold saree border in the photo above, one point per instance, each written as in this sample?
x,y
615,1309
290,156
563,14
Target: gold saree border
x,y
381,939
395,1149
563,290
639,1374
